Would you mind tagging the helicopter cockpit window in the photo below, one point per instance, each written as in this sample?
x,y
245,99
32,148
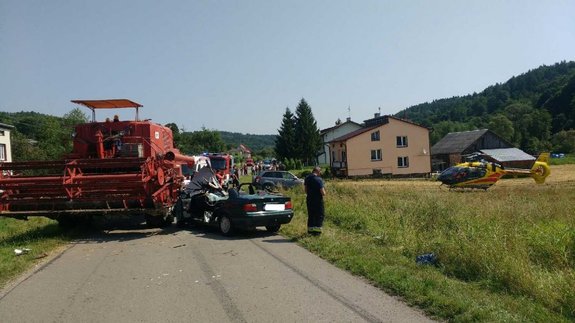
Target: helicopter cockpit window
x,y
476,172
451,171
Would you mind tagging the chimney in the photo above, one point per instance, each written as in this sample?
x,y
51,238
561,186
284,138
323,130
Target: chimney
x,y
348,119
376,115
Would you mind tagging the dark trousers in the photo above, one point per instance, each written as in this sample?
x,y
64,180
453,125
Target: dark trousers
x,y
315,213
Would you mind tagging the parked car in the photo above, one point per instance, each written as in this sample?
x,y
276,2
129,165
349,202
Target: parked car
x,y
267,164
271,179
245,207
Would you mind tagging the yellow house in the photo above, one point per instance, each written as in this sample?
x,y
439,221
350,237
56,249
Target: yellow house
x,y
386,145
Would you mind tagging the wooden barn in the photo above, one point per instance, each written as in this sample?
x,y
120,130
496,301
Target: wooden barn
x,y
451,149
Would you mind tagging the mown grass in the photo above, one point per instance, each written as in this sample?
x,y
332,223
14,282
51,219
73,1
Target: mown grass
x,y
40,235
568,159
507,254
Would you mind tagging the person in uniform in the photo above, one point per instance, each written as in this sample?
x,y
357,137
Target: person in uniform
x,y
315,191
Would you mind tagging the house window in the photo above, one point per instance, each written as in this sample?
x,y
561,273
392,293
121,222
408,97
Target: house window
x,y
2,133
376,171
343,156
376,154
402,162
2,152
401,141
375,136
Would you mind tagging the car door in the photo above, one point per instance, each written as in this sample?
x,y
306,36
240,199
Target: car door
x,y
276,178
287,179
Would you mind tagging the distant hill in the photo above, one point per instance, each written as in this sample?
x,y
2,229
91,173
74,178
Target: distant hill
x,y
533,110
254,142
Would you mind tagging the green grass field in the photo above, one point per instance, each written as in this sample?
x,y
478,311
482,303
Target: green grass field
x,y
505,254
568,159
42,236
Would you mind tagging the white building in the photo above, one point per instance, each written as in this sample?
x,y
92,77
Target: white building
x,y
5,145
329,134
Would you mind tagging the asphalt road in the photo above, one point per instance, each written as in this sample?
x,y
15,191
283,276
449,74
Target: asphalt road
x,y
195,275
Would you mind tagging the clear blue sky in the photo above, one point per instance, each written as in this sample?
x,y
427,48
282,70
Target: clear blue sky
x,y
237,65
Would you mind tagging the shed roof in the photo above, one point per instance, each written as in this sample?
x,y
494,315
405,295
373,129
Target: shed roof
x,y
456,142
507,154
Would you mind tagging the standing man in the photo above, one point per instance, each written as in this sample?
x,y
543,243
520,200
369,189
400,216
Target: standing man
x,y
315,191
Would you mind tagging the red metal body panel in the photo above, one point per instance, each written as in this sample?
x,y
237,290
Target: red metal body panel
x,y
114,166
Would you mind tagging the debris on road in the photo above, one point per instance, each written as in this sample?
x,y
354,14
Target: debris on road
x,y
426,259
22,251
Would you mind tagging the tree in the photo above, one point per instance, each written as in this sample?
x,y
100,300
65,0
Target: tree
x,y
74,117
23,149
285,141
564,141
68,123
307,134
205,140
175,133
502,126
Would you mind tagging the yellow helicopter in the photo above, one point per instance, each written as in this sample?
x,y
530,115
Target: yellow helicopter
x,y
481,174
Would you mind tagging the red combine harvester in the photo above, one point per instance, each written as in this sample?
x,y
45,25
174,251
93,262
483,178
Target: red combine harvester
x,y
115,168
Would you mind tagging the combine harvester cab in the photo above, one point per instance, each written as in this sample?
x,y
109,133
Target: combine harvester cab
x,y
116,168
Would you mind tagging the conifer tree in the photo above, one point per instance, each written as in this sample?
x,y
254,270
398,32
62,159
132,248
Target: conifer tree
x,y
307,134
285,141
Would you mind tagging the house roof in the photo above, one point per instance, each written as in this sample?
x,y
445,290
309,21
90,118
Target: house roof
x,y
378,123
456,142
244,148
354,133
379,120
6,126
337,126
507,154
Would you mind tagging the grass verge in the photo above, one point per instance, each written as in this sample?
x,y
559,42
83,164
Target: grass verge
x,y
40,235
507,254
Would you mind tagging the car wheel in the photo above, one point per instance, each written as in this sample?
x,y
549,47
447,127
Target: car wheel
x,y
273,228
226,227
178,212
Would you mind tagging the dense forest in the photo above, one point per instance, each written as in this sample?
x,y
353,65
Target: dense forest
x,y
254,142
535,111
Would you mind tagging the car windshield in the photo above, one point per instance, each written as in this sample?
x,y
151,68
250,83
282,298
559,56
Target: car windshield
x,y
218,163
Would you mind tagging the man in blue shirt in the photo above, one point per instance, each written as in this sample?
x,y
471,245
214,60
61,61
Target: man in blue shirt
x,y
315,191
